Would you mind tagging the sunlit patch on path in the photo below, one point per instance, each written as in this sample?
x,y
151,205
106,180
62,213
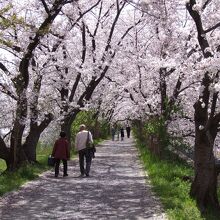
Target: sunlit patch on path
x,y
117,189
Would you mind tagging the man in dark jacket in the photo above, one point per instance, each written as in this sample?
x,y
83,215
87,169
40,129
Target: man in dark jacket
x,y
128,130
61,152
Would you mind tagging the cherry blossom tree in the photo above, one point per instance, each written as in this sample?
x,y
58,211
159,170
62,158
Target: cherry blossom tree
x,y
206,115
129,60
203,55
21,48
88,51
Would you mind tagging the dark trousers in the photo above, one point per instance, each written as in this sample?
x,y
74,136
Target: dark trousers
x,y
85,153
128,132
57,166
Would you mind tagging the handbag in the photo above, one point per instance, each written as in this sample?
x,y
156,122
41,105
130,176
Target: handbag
x,y
88,143
90,146
51,161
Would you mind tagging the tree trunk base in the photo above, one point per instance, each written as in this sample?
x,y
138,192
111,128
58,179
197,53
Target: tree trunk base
x,y
205,196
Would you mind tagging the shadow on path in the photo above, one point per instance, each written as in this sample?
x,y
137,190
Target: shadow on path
x,y
117,189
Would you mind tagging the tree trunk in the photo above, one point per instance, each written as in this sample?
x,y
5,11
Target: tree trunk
x,y
96,130
33,137
17,155
204,186
154,144
30,145
16,152
67,123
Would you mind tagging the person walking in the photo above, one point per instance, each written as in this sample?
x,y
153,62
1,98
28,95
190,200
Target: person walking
x,y
113,133
128,130
82,137
61,152
122,133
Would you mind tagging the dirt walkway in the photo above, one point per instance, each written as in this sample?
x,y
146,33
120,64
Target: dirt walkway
x,y
116,190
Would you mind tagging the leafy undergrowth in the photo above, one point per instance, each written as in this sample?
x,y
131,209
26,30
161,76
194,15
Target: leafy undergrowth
x,y
167,178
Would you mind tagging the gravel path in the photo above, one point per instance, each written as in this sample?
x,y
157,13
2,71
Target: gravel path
x,y
117,189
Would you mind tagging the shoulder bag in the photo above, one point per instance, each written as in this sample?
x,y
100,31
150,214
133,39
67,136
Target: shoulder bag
x,y
90,146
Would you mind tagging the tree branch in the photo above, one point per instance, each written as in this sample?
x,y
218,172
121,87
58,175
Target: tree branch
x,y
73,91
48,118
205,4
45,6
212,28
201,34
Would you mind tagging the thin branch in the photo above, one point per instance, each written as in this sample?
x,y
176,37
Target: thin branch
x,y
186,87
124,35
212,28
205,4
45,6
8,44
7,92
3,68
85,13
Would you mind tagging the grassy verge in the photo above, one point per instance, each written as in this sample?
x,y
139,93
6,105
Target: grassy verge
x,y
166,178
13,180
98,141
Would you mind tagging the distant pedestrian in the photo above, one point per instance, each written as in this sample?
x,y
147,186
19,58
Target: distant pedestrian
x,y
122,133
128,130
113,133
118,133
61,152
84,153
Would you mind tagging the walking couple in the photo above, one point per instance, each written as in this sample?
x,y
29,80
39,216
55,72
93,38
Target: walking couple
x,y
61,151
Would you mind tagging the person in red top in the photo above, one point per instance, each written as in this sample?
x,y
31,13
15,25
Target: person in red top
x,y
61,152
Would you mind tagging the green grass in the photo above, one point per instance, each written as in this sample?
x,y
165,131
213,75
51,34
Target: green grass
x,y
42,153
13,180
166,178
98,141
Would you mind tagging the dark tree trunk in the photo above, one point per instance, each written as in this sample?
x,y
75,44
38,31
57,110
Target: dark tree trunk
x,y
154,144
32,139
67,123
96,130
21,82
163,91
204,186
30,144
17,155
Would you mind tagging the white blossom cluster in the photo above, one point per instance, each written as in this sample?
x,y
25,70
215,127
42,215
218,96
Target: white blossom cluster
x,y
151,48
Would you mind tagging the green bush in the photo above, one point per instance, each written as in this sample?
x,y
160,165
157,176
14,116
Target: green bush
x,y
98,127
2,166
